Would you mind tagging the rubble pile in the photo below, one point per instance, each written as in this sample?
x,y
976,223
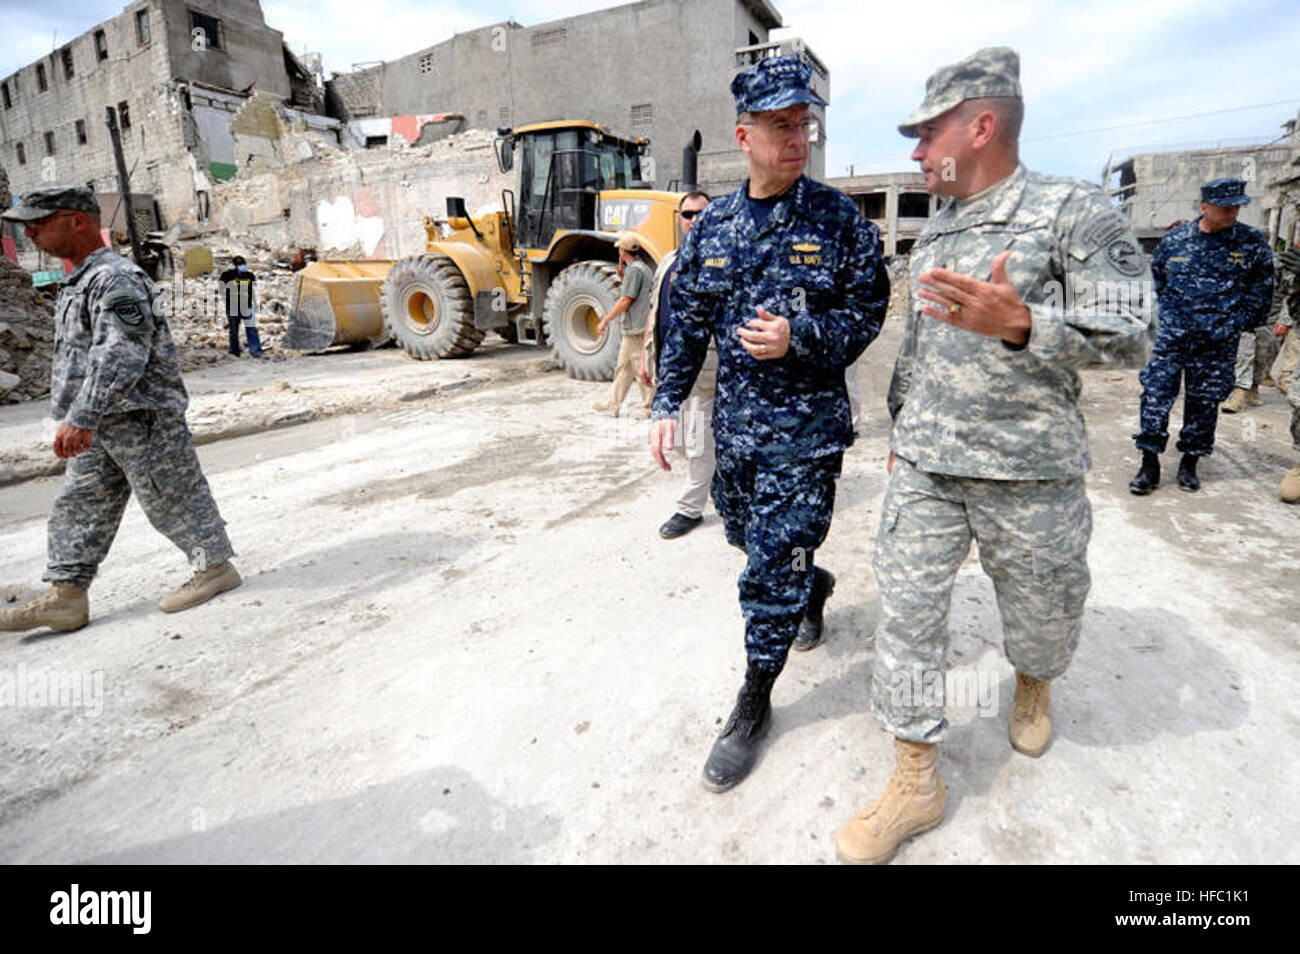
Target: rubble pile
x,y
355,204
193,307
199,323
898,278
26,336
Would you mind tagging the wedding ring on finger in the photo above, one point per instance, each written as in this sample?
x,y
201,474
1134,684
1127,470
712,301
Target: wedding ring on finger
x,y
954,308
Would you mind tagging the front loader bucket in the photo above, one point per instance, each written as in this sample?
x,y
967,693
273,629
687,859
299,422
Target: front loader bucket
x,y
337,302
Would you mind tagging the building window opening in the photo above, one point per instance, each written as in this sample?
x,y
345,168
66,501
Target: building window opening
x,y
41,83
49,143
210,27
914,205
81,132
142,27
66,56
123,115
9,103
21,150
872,205
101,45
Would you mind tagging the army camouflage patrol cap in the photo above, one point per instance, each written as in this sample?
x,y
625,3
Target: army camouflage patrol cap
x,y
1225,192
991,73
774,83
43,202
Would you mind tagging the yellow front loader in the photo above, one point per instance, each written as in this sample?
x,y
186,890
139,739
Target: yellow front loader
x,y
543,270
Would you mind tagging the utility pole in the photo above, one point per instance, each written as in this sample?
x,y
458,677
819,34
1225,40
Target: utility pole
x,y
124,187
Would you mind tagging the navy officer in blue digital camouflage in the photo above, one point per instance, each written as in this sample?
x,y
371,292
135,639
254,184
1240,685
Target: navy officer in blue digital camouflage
x,y
1214,280
787,278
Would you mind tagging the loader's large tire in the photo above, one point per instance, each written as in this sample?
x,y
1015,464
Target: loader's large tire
x,y
577,299
428,309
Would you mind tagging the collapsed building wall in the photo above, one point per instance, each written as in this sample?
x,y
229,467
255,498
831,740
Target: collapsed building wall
x,y
360,205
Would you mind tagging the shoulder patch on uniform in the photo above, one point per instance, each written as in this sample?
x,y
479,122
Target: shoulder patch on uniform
x,y
1124,254
1105,229
129,309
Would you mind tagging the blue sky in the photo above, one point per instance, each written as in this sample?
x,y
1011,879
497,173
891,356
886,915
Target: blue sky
x,y
1085,66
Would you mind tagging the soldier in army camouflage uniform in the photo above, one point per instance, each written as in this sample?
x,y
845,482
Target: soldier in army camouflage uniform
x,y
1214,280
787,278
1282,315
116,389
1016,282
1289,491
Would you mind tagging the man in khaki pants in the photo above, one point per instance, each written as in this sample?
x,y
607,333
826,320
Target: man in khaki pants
x,y
697,412
634,305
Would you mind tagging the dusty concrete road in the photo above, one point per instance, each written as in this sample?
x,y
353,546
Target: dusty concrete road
x,y
460,639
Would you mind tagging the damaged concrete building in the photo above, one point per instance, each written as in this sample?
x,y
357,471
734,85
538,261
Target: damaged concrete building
x,y
1284,189
196,87
896,202
1158,189
659,69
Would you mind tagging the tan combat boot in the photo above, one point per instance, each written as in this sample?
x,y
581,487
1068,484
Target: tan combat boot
x,y
1236,402
1290,489
913,801
1031,715
1252,397
60,607
201,587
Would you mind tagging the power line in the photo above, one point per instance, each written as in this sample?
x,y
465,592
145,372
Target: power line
x,y
1157,122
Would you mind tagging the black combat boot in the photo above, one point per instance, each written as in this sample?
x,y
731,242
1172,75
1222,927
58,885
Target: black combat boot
x,y
736,750
1148,478
1187,478
810,627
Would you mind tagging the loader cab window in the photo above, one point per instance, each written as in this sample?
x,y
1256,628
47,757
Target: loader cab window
x,y
560,175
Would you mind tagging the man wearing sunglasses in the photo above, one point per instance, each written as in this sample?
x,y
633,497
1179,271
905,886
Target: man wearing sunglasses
x,y
115,388
786,278
697,412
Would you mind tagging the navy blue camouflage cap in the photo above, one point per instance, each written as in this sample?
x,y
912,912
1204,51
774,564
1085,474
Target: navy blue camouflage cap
x,y
774,83
1225,192
990,73
45,202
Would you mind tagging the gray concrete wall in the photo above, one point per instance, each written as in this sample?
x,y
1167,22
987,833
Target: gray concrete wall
x,y
251,54
1167,185
369,206
658,68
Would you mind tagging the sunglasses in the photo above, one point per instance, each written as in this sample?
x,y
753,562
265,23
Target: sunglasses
x,y
689,214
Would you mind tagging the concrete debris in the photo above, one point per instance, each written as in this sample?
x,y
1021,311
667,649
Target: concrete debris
x,y
26,336
192,306
362,204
